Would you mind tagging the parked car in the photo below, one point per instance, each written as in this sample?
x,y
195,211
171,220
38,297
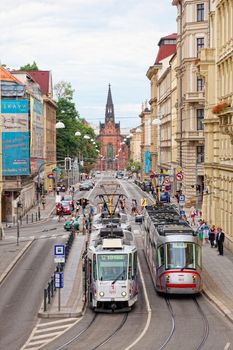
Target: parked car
x,y
85,186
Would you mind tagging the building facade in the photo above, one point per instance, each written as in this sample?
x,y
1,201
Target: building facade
x,y
216,67
193,34
114,150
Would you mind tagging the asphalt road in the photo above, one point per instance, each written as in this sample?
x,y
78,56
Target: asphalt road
x,y
181,323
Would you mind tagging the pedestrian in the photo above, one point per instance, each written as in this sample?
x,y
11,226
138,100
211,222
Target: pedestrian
x,y
134,210
221,238
216,237
43,201
212,235
61,212
206,232
200,230
192,216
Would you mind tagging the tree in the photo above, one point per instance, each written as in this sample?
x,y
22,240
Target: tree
x,y
134,166
63,90
67,143
29,67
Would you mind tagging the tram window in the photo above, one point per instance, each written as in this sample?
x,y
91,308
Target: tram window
x,y
112,266
180,255
94,267
160,255
130,267
198,255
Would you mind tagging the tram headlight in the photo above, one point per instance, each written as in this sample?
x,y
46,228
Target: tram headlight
x,y
101,294
123,294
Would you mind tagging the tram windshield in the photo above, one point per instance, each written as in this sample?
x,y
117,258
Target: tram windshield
x,y
112,267
184,255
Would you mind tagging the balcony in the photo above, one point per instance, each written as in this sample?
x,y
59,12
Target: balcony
x,y
226,122
195,97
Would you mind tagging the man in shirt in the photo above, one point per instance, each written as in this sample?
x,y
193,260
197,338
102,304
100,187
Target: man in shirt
x,y
220,238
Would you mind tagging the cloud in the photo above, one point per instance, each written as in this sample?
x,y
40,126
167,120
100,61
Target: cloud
x,y
89,43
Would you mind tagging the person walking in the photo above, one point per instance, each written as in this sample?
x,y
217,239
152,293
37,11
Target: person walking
x,y
192,216
221,238
43,201
206,232
200,230
134,210
212,235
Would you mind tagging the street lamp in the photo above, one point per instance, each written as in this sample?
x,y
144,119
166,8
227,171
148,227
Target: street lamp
x,y
78,133
86,137
60,125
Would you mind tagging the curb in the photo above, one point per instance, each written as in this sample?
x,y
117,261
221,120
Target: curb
x,y
13,263
220,306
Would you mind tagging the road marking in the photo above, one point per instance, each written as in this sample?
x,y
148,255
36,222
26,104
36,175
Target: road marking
x,y
227,346
146,298
148,311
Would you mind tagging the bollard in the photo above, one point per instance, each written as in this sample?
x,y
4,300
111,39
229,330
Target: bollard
x,y
38,213
45,297
13,220
32,217
27,219
49,299
20,220
36,216
52,286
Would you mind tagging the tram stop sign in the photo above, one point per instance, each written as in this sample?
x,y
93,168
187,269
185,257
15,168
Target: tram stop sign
x,y
59,253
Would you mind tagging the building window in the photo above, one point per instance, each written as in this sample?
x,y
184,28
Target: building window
x,y
200,12
200,44
200,118
200,154
200,84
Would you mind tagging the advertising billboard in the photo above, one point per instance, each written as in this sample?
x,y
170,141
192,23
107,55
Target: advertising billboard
x,y
15,137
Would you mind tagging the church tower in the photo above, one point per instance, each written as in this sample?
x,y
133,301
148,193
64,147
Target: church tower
x,y
109,111
113,153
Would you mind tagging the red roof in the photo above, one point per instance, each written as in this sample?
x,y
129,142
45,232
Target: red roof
x,y
166,50
42,77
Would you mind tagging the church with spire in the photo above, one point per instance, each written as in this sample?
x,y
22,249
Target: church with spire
x,y
114,152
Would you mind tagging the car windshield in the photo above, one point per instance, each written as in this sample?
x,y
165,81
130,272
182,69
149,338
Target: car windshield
x,y
111,266
65,203
67,198
182,255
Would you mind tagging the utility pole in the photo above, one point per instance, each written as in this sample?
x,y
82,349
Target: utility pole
x,y
196,186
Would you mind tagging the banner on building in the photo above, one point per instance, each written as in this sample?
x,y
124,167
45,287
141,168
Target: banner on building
x,y
15,137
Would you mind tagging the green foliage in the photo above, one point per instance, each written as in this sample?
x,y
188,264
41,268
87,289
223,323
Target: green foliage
x,y
67,143
29,67
134,166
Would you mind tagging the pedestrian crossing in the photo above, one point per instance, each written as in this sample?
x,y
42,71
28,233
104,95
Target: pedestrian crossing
x,y
46,332
11,238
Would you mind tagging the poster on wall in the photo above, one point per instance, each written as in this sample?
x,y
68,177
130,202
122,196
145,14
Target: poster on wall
x,y
15,137
147,162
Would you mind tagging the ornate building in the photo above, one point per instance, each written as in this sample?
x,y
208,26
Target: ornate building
x,y
192,28
216,66
114,151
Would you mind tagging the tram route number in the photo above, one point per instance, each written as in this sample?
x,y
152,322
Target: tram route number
x,y
113,257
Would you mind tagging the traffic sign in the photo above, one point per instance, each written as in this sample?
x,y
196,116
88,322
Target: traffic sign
x,y
143,202
58,279
181,198
132,167
178,169
166,181
50,176
179,176
59,253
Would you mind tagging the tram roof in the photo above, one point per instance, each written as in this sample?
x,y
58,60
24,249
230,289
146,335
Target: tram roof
x,y
175,229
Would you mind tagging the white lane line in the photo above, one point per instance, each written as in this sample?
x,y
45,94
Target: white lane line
x,y
148,310
227,346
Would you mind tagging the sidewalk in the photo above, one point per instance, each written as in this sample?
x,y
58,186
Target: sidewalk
x,y
217,274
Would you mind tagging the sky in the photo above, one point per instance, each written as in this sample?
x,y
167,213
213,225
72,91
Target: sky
x,y
90,43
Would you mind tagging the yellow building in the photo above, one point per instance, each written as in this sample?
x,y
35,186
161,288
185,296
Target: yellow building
x,y
135,144
216,66
192,30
